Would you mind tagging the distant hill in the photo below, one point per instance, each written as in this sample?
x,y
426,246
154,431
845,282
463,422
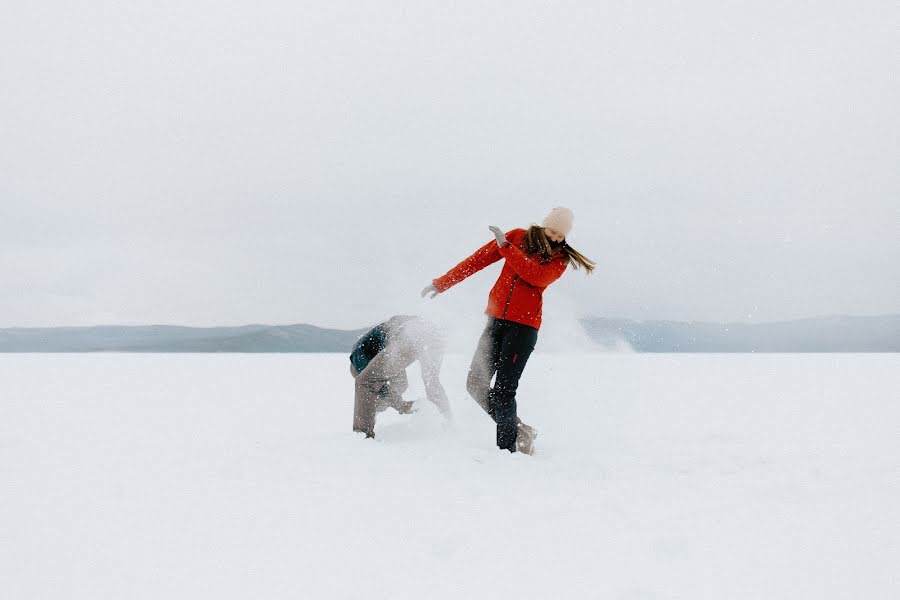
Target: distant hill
x,y
165,338
820,334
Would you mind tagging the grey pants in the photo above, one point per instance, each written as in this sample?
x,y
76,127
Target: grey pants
x,y
391,393
383,381
387,365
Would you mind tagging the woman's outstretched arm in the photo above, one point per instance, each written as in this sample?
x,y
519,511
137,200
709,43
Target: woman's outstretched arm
x,y
481,258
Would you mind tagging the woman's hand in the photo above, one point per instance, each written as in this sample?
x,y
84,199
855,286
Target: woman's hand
x,y
498,233
430,289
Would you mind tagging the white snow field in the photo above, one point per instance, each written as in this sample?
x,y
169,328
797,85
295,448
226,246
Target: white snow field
x,y
130,476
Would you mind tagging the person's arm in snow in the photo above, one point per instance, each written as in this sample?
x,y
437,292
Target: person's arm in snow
x,y
530,268
484,256
430,363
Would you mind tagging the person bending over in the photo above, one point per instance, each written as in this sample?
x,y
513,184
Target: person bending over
x,y
378,363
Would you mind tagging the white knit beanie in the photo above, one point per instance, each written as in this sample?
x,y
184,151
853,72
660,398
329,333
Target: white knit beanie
x,y
560,219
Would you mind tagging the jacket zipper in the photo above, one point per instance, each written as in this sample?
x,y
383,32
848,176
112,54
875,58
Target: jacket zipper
x,y
508,298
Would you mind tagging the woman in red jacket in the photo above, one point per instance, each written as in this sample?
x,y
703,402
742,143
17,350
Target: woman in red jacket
x,y
534,258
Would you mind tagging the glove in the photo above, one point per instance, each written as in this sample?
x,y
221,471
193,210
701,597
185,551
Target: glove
x,y
430,289
501,237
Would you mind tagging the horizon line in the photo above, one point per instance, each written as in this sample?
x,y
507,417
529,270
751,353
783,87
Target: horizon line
x,y
580,319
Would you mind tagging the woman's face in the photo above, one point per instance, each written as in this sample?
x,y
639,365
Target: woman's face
x,y
553,235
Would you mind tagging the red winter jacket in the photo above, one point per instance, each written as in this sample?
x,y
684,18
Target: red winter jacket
x,y
517,295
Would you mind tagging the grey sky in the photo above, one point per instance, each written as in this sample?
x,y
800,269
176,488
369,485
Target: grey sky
x,y
212,163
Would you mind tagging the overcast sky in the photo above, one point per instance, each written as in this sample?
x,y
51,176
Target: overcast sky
x,y
206,163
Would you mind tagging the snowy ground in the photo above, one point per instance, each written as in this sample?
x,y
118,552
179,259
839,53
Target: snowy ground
x,y
657,476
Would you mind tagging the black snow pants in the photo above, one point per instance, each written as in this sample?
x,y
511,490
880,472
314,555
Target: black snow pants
x,y
503,350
